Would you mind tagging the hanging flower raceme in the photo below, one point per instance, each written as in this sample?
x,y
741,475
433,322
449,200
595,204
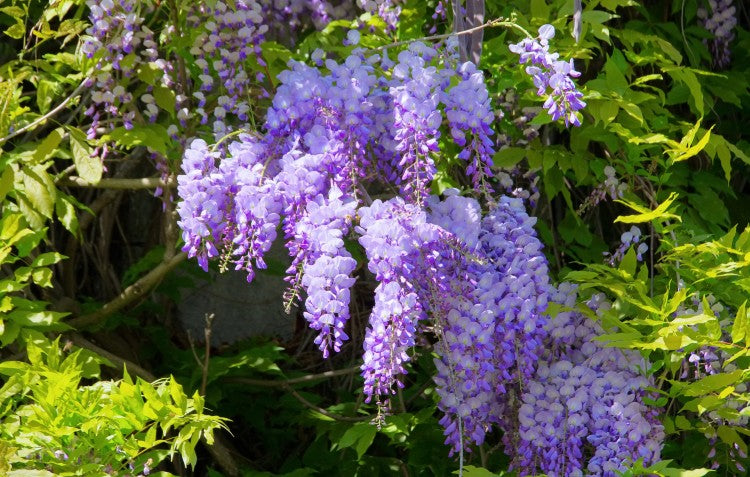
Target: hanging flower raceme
x,y
120,43
583,410
552,77
720,22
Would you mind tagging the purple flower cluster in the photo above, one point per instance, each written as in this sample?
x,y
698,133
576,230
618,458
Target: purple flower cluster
x,y
230,34
120,43
329,130
611,187
328,266
468,109
388,10
416,120
720,22
708,361
630,238
388,233
203,207
583,411
552,77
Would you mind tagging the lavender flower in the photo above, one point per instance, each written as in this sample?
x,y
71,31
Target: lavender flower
x,y
583,410
720,23
552,76
469,112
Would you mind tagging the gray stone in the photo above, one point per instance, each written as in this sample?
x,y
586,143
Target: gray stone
x,y
241,310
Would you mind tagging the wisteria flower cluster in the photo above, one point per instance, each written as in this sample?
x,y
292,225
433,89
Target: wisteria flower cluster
x,y
120,43
552,77
475,277
228,38
629,238
583,412
322,131
709,361
719,21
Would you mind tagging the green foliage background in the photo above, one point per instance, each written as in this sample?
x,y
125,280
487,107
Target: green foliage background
x,y
73,331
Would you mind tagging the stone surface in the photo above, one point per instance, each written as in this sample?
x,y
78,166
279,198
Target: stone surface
x,y
241,309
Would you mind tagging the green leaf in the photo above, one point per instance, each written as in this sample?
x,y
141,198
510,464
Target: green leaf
x,y
153,136
165,99
740,329
616,80
16,31
89,168
66,214
647,215
46,259
39,189
360,435
46,91
7,178
45,149
472,471
724,159
686,76
713,383
693,150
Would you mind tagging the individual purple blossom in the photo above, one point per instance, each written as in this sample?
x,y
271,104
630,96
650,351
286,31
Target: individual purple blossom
x,y
552,77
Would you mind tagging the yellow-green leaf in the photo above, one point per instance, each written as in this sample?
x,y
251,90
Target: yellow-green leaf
x,y
647,215
89,168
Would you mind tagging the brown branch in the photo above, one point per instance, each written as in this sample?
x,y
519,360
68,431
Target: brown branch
x,y
271,383
322,411
132,368
492,23
119,184
131,293
46,116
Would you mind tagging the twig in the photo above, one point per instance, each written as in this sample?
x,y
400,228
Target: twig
x,y
131,293
322,411
46,116
269,383
206,356
133,368
120,184
498,22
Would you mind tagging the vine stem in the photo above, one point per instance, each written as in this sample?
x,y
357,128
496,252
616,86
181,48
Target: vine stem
x,y
131,293
272,383
46,116
117,183
497,22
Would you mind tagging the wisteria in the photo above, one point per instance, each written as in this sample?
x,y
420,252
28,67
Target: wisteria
x,y
709,361
469,112
720,21
473,276
228,38
120,43
552,77
583,412
628,239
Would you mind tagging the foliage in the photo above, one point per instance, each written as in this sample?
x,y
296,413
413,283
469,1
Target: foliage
x,y
640,197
